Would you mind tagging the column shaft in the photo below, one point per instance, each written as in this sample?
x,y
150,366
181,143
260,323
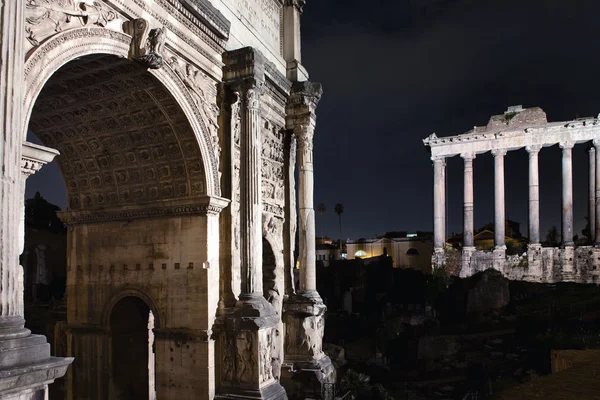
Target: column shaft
x,y
534,195
567,194
468,218
597,215
592,195
439,203
308,268
251,190
11,123
499,208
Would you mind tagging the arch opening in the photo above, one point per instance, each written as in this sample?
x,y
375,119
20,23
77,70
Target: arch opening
x,y
132,354
122,136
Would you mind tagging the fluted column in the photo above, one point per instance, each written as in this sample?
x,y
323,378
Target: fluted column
x,y
251,190
251,334
567,194
499,207
534,195
11,99
439,203
592,194
468,217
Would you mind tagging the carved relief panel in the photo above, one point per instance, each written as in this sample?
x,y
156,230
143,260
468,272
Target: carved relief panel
x,y
44,18
272,169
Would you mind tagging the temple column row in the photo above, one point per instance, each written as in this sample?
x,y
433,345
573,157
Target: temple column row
x,y
439,195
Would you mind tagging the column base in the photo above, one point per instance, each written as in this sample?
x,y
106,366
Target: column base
x,y
273,391
307,371
250,341
26,367
309,379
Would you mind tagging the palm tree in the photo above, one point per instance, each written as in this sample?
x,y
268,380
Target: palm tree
x,y
321,209
339,210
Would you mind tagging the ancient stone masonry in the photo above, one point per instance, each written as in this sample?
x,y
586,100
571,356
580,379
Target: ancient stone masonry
x,y
254,321
44,18
156,109
304,312
521,128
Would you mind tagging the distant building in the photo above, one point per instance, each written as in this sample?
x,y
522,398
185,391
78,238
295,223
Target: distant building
x,y
328,250
407,250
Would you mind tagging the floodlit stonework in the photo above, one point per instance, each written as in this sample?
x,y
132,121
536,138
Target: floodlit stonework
x,y
521,128
178,126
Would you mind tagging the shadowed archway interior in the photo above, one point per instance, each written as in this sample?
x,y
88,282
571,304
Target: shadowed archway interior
x,y
130,353
122,136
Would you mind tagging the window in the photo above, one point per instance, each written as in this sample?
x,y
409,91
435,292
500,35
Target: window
x,y
412,252
360,253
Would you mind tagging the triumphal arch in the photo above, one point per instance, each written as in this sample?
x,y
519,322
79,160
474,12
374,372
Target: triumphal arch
x,y
180,127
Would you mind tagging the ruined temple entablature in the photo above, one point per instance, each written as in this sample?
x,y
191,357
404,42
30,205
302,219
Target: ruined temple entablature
x,y
515,129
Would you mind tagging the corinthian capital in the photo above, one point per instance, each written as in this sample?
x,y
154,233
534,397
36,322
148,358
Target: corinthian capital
x,y
250,92
302,104
305,134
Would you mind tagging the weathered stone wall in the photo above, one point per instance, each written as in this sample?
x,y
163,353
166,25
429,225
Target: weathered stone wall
x,y
162,261
541,264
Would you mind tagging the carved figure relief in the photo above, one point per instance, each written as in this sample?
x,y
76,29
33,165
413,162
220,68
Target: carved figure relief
x,y
245,358
276,354
228,358
44,18
266,368
198,84
146,44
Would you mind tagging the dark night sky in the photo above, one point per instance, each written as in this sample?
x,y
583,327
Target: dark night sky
x,y
394,71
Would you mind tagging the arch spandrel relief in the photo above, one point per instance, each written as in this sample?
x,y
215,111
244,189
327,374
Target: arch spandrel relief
x,y
45,18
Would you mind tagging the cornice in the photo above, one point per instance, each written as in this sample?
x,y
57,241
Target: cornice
x,y
189,207
34,157
208,14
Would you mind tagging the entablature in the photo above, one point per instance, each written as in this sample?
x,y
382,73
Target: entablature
x,y
482,140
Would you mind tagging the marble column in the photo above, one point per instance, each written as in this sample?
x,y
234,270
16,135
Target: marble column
x,y
251,329
592,194
251,191
596,143
304,312
26,367
499,208
306,211
567,194
534,195
468,217
439,203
